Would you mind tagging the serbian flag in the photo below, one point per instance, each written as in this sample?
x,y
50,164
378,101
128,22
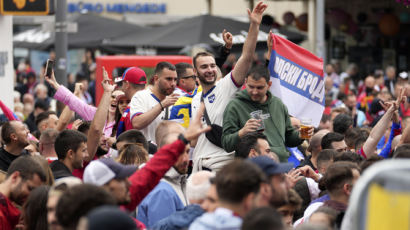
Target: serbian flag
x,y
297,79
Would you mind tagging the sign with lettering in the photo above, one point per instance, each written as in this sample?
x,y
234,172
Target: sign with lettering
x,y
24,7
119,8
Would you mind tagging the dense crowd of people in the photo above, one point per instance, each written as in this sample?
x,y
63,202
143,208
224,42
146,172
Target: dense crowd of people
x,y
202,146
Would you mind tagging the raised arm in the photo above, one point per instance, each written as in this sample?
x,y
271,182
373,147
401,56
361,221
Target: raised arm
x,y
97,125
64,118
369,147
68,98
245,61
145,179
224,50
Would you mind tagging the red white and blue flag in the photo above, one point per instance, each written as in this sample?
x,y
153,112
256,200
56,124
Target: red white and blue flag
x,y
297,79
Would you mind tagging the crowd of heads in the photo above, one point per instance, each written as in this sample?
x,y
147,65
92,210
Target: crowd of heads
x,y
90,170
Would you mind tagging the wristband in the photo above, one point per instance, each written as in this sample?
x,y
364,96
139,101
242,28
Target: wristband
x,y
183,139
162,107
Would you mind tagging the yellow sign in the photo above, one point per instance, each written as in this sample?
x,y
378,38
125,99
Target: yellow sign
x,y
387,210
24,7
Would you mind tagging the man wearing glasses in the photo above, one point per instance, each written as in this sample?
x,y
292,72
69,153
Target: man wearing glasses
x,y
186,79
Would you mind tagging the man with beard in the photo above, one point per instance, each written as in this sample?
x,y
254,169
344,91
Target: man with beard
x,y
217,95
276,173
23,175
15,137
71,149
150,106
169,195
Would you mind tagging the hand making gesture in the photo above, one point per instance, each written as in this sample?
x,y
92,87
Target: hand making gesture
x,y
256,15
228,39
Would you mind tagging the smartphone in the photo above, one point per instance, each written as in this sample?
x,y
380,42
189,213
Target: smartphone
x,y
49,67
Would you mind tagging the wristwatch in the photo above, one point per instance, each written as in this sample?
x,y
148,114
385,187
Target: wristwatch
x,y
183,139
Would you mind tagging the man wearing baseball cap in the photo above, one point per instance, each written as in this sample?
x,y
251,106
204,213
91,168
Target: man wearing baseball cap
x,y
128,186
112,176
132,80
276,173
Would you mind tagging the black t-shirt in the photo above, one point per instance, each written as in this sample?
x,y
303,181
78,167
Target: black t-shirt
x,y
60,170
6,158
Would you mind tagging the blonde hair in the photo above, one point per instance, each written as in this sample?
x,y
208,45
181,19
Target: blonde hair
x,y
133,154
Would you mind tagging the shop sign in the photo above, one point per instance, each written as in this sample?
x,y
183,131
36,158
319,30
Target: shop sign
x,y
118,8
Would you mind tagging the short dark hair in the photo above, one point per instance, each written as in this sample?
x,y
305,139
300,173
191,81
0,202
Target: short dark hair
x,y
348,156
43,116
370,161
201,54
342,123
237,180
80,76
325,156
84,127
27,167
181,68
66,140
329,138
77,201
259,72
265,218
351,136
42,104
6,130
133,136
247,142
337,174
402,151
163,65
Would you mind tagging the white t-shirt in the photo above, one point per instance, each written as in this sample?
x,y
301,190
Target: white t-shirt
x,y
142,102
216,101
180,92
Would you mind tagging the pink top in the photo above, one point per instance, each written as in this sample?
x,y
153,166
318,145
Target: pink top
x,y
86,111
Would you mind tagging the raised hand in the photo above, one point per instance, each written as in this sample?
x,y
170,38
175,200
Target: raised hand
x,y
106,82
292,177
76,124
78,90
52,80
256,15
196,127
228,39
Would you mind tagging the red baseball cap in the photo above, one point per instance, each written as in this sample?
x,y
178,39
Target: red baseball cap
x,y
134,75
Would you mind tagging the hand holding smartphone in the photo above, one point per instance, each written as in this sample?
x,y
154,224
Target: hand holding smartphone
x,y
49,67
